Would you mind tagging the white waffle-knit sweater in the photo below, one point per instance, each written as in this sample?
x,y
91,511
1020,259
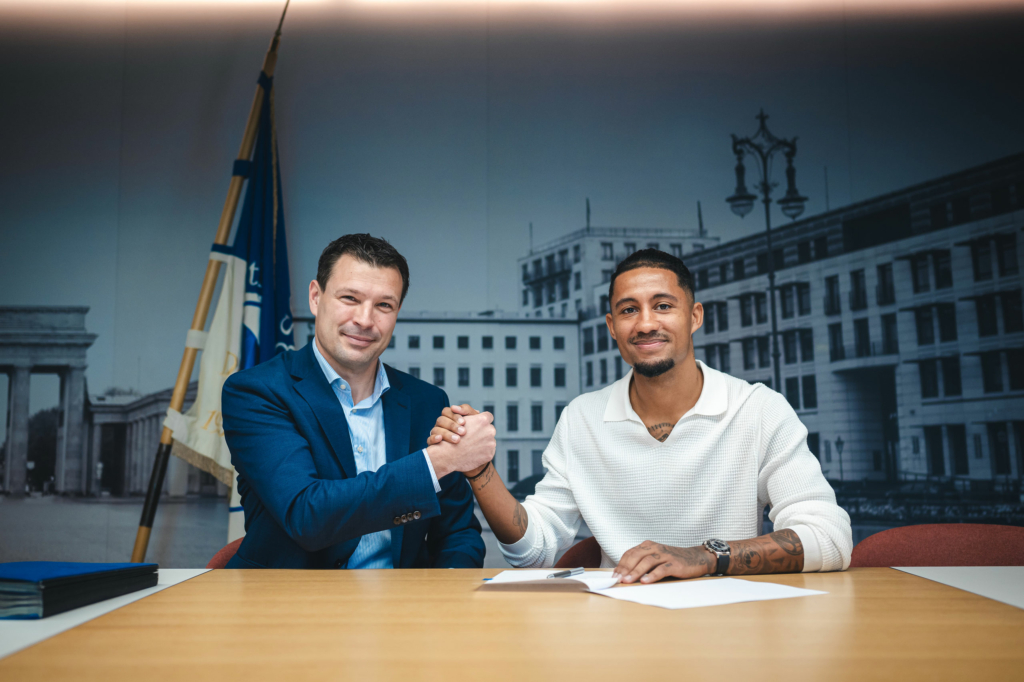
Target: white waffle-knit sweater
x,y
740,448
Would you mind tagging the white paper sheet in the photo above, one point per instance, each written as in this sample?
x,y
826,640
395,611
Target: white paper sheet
x,y
691,594
591,580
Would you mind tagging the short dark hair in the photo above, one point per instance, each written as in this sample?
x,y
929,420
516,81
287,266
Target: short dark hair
x,y
371,250
653,258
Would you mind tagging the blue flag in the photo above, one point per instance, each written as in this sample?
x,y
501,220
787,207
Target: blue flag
x,y
260,242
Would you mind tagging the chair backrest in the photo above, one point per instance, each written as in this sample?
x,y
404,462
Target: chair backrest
x,y
585,553
942,544
221,558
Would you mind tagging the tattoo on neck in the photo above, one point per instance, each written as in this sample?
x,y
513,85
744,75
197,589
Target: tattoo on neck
x,y
661,431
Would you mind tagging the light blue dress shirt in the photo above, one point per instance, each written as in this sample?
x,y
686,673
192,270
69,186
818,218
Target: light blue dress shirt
x,y
366,429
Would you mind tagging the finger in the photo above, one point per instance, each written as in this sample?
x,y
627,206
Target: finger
x,y
644,566
632,557
449,413
449,425
438,434
465,409
665,570
487,416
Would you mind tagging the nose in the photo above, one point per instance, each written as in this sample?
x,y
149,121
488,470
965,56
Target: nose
x,y
363,316
647,322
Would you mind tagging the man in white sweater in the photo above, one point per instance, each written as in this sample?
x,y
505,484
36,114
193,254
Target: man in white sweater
x,y
672,465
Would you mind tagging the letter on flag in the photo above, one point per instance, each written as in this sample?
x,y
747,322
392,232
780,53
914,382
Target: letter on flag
x,y
252,321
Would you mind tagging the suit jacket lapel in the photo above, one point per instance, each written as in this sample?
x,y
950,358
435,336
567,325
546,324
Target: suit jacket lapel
x,y
313,386
396,439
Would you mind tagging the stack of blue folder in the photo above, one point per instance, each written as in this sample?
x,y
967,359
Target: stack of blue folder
x,y
36,589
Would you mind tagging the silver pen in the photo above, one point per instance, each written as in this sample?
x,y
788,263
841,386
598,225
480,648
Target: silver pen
x,y
567,574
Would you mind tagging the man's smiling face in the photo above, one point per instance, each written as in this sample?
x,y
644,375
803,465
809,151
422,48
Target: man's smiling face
x,y
356,312
652,320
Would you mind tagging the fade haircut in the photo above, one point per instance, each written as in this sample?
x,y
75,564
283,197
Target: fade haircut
x,y
370,250
653,258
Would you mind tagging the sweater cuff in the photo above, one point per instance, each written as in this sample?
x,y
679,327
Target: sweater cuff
x,y
518,550
812,550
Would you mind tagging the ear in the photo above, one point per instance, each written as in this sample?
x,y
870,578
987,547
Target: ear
x,y
696,317
611,329
314,296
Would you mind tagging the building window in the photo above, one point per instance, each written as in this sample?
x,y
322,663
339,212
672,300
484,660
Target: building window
x,y
929,378
762,263
439,376
858,291
748,354
789,346
414,342
934,451
537,461
861,338
558,343
981,260
764,358
702,278
526,297
957,435
558,411
602,337
810,386
439,343
677,250
711,355
559,376
709,318
832,295
821,248
576,253
814,444
1015,365
606,251
606,276
604,371
1006,254
513,466
391,341
946,312
925,326
951,376
618,367
1013,315
563,288
535,376
919,273
588,340
999,446
511,376
534,343
723,358
793,392
806,345
723,273
463,376
512,417
603,307
746,313
786,299
803,298
778,259
986,309
414,372
630,247
738,266
890,343
510,343
761,308
488,377
803,252
537,417
836,350
885,290
487,342
577,281
590,373
943,269
991,372
723,317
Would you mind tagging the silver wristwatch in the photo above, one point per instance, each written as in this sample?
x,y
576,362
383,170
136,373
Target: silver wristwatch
x,y
720,548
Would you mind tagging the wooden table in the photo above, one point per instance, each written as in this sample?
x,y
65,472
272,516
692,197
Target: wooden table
x,y
875,623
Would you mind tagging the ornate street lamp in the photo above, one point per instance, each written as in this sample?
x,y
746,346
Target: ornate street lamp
x,y
763,145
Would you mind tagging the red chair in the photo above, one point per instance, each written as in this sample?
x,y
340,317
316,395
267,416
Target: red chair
x,y
585,553
221,558
942,544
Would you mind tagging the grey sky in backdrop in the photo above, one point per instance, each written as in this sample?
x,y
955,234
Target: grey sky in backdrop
x,y
446,136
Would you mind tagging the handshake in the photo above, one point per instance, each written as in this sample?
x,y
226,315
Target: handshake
x,y
462,440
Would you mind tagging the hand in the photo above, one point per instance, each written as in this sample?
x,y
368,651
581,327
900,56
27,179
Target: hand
x,y
450,426
473,451
650,562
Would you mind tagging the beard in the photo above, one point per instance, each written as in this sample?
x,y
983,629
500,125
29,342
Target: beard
x,y
654,369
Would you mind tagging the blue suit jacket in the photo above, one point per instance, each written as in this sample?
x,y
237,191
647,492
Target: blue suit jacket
x,y
305,507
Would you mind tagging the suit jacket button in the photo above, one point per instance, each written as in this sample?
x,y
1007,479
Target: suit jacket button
x,y
339,563
416,515
398,520
405,518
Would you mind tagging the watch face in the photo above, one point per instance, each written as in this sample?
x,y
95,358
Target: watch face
x,y
718,545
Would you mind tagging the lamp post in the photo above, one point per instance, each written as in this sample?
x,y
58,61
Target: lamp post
x,y
839,449
763,145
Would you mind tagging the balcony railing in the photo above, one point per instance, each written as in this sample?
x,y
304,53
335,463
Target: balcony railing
x,y
537,274
868,350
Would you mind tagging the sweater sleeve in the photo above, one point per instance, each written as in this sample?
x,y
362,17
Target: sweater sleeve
x,y
554,518
790,481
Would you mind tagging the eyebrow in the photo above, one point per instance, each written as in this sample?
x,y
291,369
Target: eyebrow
x,y
348,290
629,299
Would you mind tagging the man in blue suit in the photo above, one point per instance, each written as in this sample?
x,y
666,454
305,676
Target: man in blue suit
x,y
330,443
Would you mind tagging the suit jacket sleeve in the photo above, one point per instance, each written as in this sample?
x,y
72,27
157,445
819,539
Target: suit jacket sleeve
x,y
454,539
275,459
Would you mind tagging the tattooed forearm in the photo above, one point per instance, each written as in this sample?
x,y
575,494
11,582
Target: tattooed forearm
x,y
480,481
519,518
661,431
779,552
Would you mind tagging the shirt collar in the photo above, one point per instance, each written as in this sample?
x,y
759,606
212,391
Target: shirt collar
x,y
713,399
380,383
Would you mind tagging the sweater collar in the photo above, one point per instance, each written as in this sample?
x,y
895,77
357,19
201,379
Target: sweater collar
x,y
713,399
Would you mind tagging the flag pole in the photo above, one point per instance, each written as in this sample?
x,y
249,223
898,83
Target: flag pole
x,y
188,359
